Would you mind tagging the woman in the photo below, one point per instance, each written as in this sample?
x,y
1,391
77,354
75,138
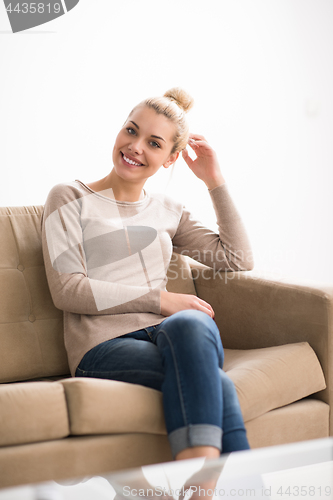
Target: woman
x,y
107,246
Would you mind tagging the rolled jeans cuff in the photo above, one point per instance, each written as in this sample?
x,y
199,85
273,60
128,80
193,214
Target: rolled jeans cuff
x,y
195,435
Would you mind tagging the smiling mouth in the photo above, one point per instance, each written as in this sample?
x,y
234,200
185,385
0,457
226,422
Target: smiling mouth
x,y
131,162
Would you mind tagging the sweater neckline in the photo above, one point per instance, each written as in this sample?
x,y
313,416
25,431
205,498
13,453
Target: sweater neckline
x,y
113,200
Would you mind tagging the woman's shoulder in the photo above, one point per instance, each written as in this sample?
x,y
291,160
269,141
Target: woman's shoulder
x,y
64,193
67,190
167,201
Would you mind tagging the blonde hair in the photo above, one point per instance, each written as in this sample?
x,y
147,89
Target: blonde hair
x,y
174,105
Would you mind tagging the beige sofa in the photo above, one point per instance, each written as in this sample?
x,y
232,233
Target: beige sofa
x,y
277,335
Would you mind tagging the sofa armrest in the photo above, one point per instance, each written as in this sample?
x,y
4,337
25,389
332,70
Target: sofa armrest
x,y
254,310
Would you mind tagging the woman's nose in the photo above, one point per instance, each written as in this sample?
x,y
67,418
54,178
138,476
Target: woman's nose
x,y
136,146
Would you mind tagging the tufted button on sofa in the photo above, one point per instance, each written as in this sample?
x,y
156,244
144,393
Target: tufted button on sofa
x,y
277,335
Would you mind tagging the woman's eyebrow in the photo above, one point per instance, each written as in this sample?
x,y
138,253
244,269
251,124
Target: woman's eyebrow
x,y
137,126
156,136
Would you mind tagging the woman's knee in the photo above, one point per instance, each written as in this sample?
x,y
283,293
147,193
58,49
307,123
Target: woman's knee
x,y
191,330
191,322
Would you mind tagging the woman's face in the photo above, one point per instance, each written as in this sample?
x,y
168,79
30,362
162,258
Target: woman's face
x,y
143,145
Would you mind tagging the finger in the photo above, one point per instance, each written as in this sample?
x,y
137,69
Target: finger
x,y
187,158
204,309
201,148
203,302
208,311
207,308
199,144
192,143
197,137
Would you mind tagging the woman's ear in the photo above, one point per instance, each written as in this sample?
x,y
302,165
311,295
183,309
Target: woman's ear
x,y
171,160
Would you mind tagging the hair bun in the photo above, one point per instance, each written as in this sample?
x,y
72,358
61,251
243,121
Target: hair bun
x,y
181,98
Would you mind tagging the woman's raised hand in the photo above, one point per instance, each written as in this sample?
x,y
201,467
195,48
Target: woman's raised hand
x,y
205,166
175,302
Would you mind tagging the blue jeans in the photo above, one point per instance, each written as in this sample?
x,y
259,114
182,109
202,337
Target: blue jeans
x,y
182,357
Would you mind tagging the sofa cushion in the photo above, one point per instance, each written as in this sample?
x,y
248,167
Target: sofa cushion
x,y
265,379
272,377
32,412
99,406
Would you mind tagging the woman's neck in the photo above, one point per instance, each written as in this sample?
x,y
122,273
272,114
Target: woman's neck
x,y
122,191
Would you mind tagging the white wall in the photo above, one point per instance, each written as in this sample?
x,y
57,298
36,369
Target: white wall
x,y
262,77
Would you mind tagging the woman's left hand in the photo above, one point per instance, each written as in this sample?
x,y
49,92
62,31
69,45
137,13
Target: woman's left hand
x,y
205,166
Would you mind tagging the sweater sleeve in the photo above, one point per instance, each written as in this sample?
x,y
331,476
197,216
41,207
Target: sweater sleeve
x,y
229,250
71,288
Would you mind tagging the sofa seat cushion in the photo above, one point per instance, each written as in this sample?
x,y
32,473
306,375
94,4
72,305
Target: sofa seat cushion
x,y
272,377
99,406
265,379
31,412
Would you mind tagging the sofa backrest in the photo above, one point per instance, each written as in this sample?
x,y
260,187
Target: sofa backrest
x,y
31,327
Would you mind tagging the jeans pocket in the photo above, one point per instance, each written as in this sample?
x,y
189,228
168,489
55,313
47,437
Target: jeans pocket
x,y
79,372
150,330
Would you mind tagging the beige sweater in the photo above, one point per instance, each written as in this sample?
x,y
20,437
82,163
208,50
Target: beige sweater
x,y
106,261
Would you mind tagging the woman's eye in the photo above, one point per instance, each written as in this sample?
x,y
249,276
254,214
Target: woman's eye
x,y
130,130
155,144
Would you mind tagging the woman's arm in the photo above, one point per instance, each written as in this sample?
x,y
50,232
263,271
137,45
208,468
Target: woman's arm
x,y
230,250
